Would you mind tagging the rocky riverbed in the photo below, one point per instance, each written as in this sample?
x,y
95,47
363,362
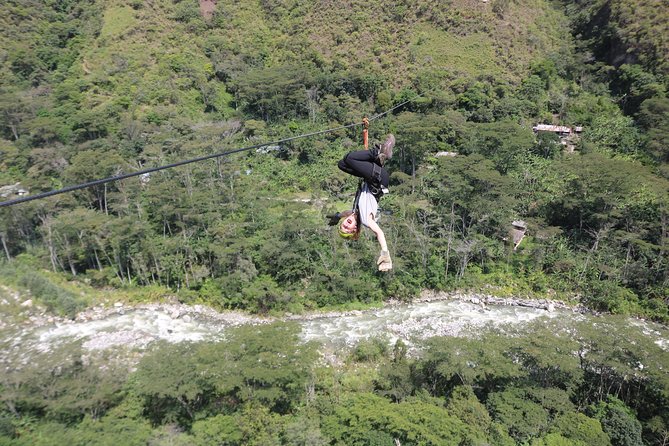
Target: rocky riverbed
x,y
118,326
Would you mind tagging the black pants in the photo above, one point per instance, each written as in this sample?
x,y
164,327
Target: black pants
x,y
361,164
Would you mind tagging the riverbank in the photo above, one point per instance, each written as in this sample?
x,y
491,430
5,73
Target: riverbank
x,y
117,329
30,314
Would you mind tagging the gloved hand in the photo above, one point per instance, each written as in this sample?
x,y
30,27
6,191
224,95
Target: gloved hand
x,y
333,219
384,262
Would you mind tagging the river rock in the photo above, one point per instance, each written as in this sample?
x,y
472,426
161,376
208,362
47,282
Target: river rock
x,y
28,303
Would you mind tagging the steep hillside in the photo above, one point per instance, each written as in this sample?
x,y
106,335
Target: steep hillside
x,y
91,89
625,31
159,60
96,88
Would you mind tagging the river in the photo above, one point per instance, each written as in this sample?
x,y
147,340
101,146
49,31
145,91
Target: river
x,y
120,327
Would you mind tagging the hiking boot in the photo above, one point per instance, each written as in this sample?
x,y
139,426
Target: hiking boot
x,y
384,262
385,150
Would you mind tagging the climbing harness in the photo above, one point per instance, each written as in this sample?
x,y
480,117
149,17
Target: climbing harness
x,y
375,187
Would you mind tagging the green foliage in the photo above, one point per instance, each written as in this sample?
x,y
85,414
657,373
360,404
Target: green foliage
x,y
555,440
547,145
503,142
449,362
615,39
264,364
112,88
654,118
173,393
94,89
183,394
464,405
114,429
60,387
629,370
276,93
616,134
523,417
52,295
549,360
304,430
579,427
370,350
368,419
618,422
219,429
257,365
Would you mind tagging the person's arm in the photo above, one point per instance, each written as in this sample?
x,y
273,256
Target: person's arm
x,y
376,229
384,261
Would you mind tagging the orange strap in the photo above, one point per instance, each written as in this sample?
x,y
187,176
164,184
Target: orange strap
x,y
365,133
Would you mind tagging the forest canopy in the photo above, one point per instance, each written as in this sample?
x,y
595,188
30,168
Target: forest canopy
x,y
91,89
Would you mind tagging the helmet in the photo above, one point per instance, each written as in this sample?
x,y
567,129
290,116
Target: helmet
x,y
347,235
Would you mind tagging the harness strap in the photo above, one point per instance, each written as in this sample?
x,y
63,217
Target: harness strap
x,y
357,197
374,184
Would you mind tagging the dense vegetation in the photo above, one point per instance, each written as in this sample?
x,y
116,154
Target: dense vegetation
x,y
93,89
90,89
263,387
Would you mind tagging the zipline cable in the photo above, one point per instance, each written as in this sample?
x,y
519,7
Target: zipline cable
x,y
189,161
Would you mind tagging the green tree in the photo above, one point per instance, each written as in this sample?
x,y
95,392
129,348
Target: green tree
x,y
618,421
170,385
60,387
579,427
395,376
464,405
369,419
614,134
450,362
523,417
554,439
635,85
260,364
420,135
219,429
259,426
122,425
92,165
550,362
274,93
533,89
546,70
547,145
504,142
654,118
305,430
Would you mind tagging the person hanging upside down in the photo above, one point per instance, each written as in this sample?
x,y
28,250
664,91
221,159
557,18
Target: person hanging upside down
x,y
368,165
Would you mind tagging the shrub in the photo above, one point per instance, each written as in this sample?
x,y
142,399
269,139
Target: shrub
x,y
370,350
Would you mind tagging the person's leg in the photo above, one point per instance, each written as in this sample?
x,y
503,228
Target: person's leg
x,y
344,167
359,164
